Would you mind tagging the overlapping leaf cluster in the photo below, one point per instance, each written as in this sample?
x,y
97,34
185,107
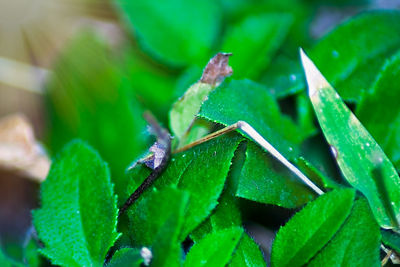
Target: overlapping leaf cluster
x,y
201,199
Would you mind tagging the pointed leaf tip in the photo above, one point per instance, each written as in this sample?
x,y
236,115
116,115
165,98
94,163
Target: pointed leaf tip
x,y
356,151
315,79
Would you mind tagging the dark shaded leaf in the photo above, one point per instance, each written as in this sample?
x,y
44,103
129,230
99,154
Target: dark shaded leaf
x,y
349,47
285,78
391,239
379,110
349,57
126,257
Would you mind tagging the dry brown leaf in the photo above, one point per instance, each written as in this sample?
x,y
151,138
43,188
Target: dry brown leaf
x,y
19,150
217,69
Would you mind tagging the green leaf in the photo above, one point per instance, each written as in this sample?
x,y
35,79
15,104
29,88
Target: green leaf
x,y
357,243
251,102
311,228
316,152
350,56
31,254
264,179
201,172
78,217
187,78
361,160
205,177
227,214
235,10
157,222
391,239
153,212
142,76
215,249
349,47
5,261
359,82
247,254
379,110
315,175
285,78
126,257
184,111
89,98
305,115
253,42
170,29
167,249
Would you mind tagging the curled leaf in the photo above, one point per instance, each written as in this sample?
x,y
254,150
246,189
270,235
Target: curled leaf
x,y
217,69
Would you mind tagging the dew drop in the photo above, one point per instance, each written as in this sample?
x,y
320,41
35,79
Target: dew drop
x,y
184,155
290,148
335,54
367,144
337,96
292,77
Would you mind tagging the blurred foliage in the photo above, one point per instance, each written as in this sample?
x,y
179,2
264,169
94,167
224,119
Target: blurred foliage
x,y
98,92
89,97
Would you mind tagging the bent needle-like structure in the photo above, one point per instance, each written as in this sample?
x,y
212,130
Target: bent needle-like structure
x,y
256,137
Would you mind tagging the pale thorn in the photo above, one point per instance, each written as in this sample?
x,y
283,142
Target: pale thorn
x,y
256,137
253,134
315,79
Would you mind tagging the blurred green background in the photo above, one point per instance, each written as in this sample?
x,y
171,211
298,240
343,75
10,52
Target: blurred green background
x,y
89,69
